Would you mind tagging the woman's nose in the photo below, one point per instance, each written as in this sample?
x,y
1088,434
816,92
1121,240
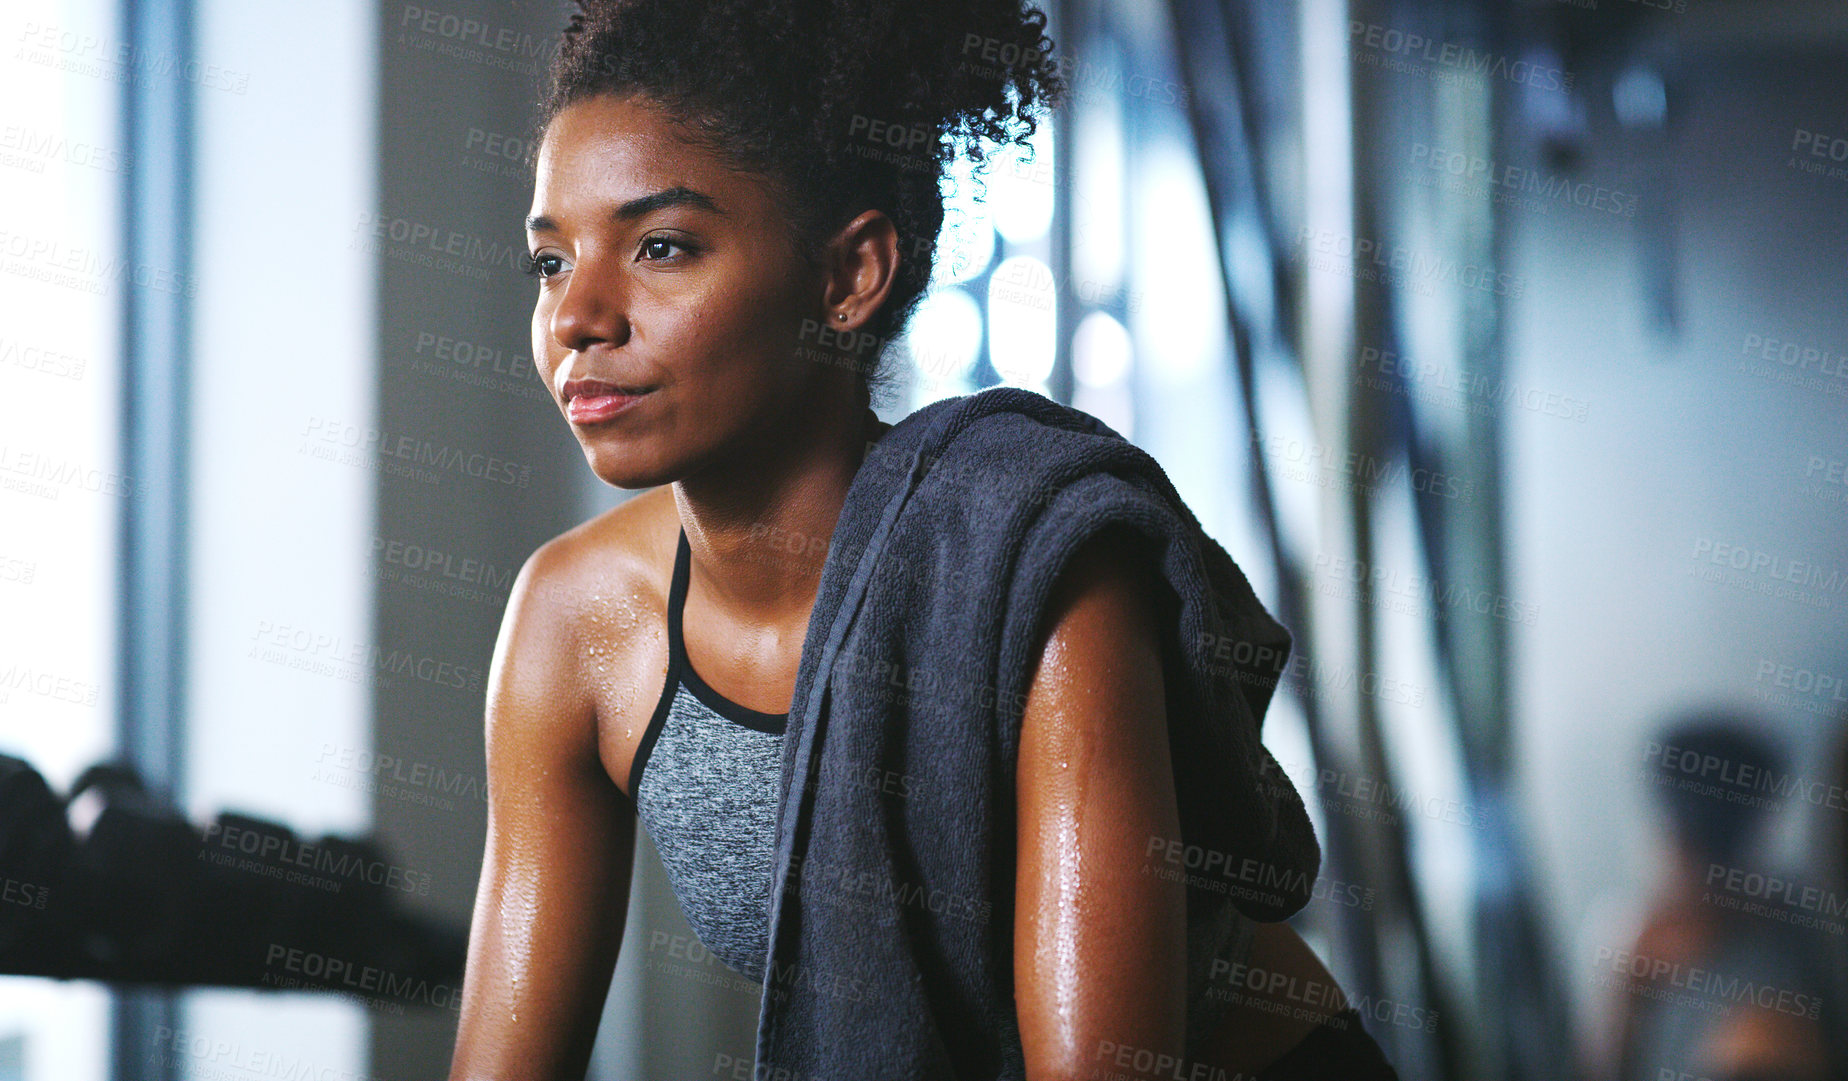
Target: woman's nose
x,y
593,311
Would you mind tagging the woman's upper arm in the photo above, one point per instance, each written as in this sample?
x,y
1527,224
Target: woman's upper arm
x,y
1099,942
555,875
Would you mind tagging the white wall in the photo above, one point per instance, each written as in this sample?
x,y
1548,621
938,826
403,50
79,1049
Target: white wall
x,y
281,550
61,497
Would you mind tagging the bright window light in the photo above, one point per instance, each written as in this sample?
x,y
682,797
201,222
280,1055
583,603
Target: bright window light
x,y
944,336
1022,321
1101,351
1020,188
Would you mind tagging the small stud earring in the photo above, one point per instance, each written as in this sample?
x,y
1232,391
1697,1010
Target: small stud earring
x,y
842,316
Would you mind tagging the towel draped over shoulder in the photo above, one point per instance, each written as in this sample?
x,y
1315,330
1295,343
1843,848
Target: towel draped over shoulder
x,y
891,921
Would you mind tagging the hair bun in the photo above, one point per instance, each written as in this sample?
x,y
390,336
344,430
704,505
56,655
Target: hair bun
x,y
848,105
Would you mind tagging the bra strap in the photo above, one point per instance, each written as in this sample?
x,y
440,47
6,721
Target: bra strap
x,y
677,602
676,663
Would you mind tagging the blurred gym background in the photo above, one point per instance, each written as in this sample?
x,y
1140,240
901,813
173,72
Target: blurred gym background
x,y
1502,344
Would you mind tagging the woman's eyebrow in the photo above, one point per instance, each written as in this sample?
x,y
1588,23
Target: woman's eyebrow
x,y
647,204
676,196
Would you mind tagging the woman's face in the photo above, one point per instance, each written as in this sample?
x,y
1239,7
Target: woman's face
x,y
671,298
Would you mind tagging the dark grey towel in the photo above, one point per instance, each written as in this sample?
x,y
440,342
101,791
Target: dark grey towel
x,y
891,924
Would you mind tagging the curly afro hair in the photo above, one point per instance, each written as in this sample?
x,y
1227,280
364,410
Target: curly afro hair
x,y
843,106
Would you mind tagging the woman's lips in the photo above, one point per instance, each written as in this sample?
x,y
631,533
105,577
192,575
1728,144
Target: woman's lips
x,y
597,407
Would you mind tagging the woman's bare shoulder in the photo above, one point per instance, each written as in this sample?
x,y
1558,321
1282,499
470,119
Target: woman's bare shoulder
x,y
620,558
589,610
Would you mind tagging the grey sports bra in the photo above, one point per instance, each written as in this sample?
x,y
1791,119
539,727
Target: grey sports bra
x,y
706,780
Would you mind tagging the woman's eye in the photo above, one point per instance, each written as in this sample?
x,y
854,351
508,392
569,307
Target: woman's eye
x,y
543,266
662,247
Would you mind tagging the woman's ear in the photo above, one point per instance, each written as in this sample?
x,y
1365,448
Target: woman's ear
x,y
861,262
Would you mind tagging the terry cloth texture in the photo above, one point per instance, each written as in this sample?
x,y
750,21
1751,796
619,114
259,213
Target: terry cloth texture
x,y
891,921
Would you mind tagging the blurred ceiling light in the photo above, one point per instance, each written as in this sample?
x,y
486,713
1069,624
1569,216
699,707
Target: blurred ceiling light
x,y
1101,351
1097,194
1020,188
1022,321
1177,307
944,335
1640,98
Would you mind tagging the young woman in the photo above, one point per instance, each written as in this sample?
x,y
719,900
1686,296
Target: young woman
x,y
709,196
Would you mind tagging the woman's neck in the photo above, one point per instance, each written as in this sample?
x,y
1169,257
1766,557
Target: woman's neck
x,y
759,527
